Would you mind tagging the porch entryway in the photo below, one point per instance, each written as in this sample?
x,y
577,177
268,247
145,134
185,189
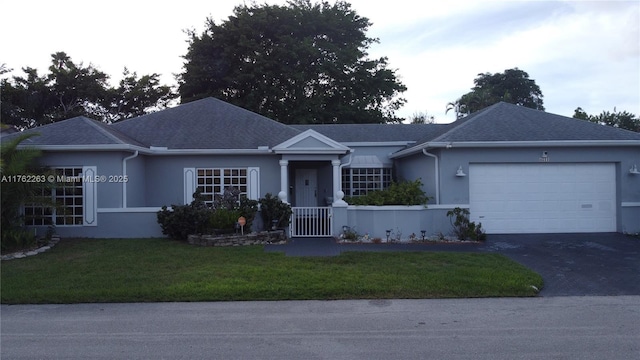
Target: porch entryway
x,y
310,180
308,218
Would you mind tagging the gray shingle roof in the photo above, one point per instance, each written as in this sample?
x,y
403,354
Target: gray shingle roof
x,y
76,131
214,124
206,124
508,122
376,132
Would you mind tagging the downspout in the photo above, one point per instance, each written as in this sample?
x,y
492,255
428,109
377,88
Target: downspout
x,y
437,172
348,162
124,175
342,166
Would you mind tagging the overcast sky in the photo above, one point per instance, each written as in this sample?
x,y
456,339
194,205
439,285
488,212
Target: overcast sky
x,y
580,53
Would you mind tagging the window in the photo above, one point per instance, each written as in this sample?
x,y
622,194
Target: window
x,y
359,181
214,181
67,196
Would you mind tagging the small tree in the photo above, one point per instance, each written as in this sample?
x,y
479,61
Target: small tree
x,y
422,118
463,228
22,183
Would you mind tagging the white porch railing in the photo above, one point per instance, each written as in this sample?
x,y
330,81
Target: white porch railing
x,y
311,222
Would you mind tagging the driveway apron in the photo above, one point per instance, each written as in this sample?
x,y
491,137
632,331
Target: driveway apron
x,y
576,264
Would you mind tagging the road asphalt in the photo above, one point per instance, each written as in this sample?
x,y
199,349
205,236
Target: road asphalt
x,y
587,327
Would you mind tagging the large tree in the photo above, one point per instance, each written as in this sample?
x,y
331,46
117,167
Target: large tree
x,y
298,63
512,86
619,119
137,95
71,89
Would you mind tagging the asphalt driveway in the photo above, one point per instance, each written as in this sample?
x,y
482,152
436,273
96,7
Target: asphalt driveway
x,y
570,264
576,264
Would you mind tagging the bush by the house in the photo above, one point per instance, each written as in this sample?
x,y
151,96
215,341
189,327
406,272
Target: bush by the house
x,y
463,228
230,206
223,221
274,212
182,220
17,239
197,218
398,193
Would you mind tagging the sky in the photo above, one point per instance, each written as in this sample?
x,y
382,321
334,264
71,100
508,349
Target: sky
x,y
580,53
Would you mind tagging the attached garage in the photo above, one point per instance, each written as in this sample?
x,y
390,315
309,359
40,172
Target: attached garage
x,y
543,197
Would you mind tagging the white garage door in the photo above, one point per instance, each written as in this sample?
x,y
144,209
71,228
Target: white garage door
x,y
543,198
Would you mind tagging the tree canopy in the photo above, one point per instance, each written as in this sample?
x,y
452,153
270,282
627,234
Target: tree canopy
x,y
421,117
512,86
298,63
71,89
620,119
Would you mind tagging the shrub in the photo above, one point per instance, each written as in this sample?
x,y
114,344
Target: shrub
x,y
184,220
464,229
223,220
398,193
248,208
231,206
274,212
351,234
17,239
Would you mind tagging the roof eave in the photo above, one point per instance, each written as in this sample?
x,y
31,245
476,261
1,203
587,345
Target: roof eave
x,y
148,151
377,143
515,144
304,151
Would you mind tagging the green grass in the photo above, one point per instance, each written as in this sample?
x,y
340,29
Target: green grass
x,y
142,270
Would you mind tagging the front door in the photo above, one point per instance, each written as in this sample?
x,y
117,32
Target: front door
x,y
306,187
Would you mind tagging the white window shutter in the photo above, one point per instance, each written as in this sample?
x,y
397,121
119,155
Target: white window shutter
x,y
253,191
90,196
189,184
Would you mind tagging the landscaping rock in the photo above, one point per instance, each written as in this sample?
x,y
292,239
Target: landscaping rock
x,y
261,238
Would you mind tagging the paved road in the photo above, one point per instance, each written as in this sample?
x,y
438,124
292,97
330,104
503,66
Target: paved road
x,y
518,328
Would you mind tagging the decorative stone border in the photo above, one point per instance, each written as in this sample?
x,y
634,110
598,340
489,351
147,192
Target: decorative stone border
x,y
261,238
22,254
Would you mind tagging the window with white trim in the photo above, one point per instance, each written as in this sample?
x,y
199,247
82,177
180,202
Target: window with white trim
x,y
212,181
66,198
360,181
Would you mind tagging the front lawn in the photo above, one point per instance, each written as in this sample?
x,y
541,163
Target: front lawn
x,y
115,270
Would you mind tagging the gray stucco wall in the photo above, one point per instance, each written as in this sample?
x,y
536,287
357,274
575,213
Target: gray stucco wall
x,y
418,167
136,184
131,224
404,220
165,179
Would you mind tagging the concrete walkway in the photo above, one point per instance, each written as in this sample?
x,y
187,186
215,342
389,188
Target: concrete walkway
x,y
570,264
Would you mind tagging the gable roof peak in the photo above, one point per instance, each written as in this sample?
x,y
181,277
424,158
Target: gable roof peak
x,y
310,141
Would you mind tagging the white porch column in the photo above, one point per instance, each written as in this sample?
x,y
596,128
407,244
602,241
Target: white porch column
x,y
284,181
338,195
